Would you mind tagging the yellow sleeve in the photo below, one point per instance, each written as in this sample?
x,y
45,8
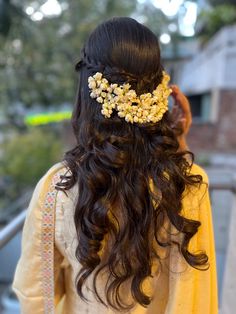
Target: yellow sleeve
x,y
27,281
191,290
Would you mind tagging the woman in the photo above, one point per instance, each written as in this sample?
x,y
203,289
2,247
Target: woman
x,y
133,227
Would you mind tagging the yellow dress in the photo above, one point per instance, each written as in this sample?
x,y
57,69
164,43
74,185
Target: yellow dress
x,y
178,289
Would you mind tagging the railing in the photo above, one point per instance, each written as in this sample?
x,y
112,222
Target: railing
x,y
229,282
16,224
10,230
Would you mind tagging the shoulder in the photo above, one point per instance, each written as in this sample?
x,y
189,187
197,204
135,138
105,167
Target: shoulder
x,y
195,196
198,170
53,173
50,178
197,191
57,168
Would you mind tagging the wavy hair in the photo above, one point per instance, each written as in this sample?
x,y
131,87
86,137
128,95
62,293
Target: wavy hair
x,y
112,165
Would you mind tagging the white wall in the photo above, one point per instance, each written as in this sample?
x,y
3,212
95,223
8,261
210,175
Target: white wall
x,y
213,67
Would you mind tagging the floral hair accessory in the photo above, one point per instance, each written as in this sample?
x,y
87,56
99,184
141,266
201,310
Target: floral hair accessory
x,y
148,107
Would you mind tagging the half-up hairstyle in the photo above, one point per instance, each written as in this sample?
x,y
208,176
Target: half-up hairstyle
x,y
113,163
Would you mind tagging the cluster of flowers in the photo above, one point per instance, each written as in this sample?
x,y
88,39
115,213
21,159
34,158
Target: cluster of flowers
x,y
148,107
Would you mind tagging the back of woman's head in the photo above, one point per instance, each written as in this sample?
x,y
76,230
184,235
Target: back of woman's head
x,y
114,162
124,49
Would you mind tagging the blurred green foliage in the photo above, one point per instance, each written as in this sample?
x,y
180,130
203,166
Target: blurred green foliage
x,y
37,57
219,2
221,13
25,158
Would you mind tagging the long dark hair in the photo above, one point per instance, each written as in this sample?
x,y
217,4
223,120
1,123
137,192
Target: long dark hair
x,y
113,163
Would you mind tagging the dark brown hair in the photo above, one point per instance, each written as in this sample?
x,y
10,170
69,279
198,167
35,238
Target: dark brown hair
x,y
112,165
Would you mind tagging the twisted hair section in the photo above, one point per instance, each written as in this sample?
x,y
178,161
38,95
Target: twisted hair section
x,y
146,82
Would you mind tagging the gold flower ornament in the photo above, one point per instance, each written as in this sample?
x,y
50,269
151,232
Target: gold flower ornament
x,y
148,107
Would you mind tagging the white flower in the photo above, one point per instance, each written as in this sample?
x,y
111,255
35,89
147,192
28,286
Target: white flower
x,y
145,113
118,91
148,107
126,86
113,86
109,96
134,108
98,76
131,94
93,95
104,81
128,118
121,114
92,85
139,114
99,82
105,112
103,86
100,100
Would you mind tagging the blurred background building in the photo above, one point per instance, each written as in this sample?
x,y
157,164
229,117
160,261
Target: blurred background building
x,y
40,42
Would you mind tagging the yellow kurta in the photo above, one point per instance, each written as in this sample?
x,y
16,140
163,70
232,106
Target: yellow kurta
x,y
178,289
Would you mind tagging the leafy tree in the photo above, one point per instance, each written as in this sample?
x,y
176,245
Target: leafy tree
x,y
37,59
220,14
220,2
26,158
